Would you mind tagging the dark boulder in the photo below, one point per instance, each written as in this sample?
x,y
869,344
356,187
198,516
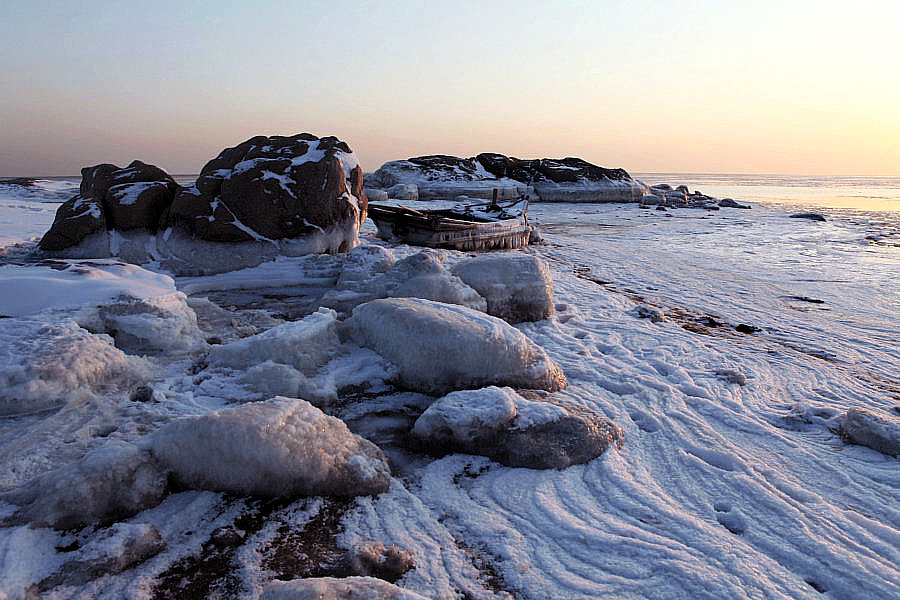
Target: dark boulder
x,y
111,198
272,188
75,220
729,203
561,170
809,215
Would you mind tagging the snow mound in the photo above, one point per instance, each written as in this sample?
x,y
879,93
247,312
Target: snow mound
x,y
517,287
305,345
41,365
439,348
330,588
864,427
281,447
112,482
61,284
517,432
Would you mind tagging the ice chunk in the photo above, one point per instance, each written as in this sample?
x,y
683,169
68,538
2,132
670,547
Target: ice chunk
x,y
151,325
467,415
114,481
864,427
330,588
439,348
40,365
305,345
517,287
421,275
280,447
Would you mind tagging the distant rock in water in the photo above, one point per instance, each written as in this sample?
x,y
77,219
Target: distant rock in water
x,y
272,195
809,215
442,177
729,203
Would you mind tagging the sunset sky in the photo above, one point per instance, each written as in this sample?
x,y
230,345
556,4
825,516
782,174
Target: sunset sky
x,y
796,86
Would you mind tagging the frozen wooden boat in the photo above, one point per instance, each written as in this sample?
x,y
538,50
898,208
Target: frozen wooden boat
x,y
475,226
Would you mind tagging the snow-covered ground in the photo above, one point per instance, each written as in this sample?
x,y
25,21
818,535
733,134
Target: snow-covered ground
x,y
732,481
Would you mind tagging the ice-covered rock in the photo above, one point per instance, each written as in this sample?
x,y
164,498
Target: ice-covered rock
x,y
375,559
305,345
866,428
146,325
42,365
517,287
645,311
420,275
331,588
280,447
439,348
441,177
112,482
517,432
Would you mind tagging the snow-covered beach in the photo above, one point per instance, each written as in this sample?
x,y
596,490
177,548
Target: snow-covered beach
x,y
726,345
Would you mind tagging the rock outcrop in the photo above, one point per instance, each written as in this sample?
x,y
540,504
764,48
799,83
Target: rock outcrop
x,y
441,177
515,431
439,348
280,447
265,197
112,199
272,188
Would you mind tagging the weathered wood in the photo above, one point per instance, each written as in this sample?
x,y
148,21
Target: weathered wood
x,y
470,227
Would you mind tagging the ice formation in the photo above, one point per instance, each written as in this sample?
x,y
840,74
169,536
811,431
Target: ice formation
x,y
42,365
517,287
280,447
114,481
330,588
439,348
866,428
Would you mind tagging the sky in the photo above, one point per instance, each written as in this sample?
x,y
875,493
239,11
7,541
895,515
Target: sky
x,y
793,86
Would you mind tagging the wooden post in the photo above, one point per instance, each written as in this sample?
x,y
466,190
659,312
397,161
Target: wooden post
x,y
494,205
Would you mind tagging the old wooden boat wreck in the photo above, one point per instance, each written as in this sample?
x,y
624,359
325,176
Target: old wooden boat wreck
x,y
467,226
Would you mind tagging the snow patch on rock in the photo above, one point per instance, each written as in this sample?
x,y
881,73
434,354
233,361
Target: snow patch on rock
x,y
517,287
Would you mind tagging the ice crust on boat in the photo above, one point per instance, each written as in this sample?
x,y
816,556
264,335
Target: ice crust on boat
x,y
279,447
439,348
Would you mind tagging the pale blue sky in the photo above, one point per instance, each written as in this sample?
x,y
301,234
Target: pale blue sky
x,y
794,86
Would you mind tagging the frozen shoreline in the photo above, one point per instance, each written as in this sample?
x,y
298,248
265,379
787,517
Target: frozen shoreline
x,y
722,488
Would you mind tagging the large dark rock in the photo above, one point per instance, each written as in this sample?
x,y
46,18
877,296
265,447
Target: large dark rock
x,y
111,198
562,170
272,188
75,220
